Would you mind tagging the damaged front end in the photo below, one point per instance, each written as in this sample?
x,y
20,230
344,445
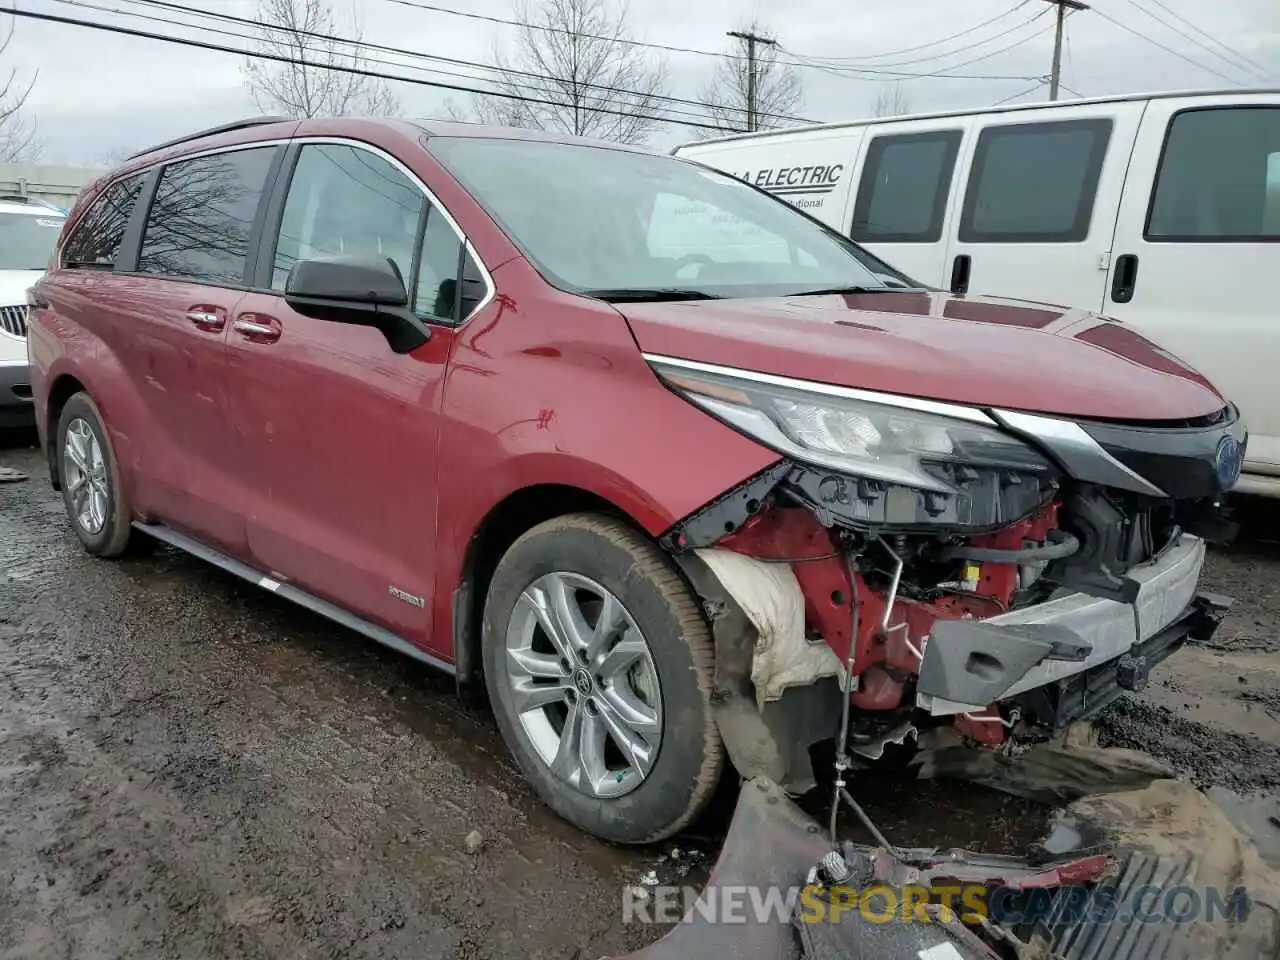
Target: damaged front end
x,y
918,567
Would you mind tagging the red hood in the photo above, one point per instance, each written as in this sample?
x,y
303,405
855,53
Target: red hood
x,y
976,351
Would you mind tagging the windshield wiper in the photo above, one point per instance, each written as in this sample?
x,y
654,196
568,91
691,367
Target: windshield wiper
x,y
853,289
641,295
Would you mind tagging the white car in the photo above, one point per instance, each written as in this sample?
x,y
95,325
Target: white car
x,y
29,230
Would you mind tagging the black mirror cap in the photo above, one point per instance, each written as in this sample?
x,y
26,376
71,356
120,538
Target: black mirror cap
x,y
355,280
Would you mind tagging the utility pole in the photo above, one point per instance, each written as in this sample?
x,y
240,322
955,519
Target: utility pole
x,y
751,39
1056,75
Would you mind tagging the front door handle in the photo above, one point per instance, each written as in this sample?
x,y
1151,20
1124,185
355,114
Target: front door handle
x,y
960,269
1125,278
257,327
208,319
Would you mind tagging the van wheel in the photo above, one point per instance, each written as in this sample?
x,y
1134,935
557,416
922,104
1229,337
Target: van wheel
x,y
91,487
598,663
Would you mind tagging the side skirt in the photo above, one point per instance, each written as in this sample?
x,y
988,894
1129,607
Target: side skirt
x,y
300,597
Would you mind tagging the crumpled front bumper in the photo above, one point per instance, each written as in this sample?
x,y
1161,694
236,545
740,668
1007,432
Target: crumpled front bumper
x,y
970,664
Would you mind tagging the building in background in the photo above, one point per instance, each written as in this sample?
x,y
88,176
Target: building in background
x,y
56,185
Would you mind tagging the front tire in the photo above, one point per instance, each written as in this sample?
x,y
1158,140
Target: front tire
x,y
598,663
91,487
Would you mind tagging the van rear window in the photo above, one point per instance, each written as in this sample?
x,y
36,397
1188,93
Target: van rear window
x,y
1219,178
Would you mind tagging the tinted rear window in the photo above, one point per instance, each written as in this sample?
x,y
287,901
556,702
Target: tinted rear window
x,y
96,240
202,216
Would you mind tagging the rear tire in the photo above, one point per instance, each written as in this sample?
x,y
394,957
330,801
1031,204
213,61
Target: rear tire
x,y
620,739
91,488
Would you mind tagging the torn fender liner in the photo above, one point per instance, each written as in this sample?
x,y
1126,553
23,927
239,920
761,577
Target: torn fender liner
x,y
976,662
771,843
770,596
772,740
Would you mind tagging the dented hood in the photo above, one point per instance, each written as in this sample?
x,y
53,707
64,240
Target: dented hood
x,y
971,350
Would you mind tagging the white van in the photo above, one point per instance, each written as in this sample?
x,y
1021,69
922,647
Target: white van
x,y
1162,210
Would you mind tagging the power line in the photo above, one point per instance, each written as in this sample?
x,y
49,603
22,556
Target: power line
x,y
1020,93
1236,53
670,48
942,73
1199,43
359,45
969,46
1157,43
932,43
340,68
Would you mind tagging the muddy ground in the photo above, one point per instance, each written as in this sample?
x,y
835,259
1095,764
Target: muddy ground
x,y
190,767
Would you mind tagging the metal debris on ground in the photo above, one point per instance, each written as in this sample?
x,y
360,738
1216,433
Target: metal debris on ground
x,y
10,475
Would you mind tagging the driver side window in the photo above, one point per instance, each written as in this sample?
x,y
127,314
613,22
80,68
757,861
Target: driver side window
x,y
344,200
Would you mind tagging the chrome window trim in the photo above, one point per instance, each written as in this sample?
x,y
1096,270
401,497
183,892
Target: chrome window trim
x,y
490,288
936,407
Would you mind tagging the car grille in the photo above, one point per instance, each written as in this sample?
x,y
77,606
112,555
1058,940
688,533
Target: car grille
x,y
13,320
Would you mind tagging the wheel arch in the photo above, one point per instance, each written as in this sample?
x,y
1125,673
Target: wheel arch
x,y
63,388
520,511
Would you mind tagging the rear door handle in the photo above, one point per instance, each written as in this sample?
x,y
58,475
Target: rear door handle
x,y
1125,278
257,327
208,319
960,269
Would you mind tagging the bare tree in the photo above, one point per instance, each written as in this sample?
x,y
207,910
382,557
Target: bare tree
x,y
576,54
308,86
775,85
891,101
17,127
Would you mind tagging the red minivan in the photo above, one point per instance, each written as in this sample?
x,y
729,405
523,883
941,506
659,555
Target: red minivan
x,y
673,470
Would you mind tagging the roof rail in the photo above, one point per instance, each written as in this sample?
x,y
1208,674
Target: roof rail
x,y
224,128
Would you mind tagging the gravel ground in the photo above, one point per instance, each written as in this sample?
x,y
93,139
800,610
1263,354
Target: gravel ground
x,y
192,767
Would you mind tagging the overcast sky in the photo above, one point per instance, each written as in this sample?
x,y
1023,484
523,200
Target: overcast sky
x,y
100,95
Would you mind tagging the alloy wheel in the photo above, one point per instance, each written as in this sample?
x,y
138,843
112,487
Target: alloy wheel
x,y
85,475
583,684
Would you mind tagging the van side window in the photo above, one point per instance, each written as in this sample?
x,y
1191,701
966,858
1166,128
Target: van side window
x,y
199,223
344,200
906,180
1034,182
1219,177
96,240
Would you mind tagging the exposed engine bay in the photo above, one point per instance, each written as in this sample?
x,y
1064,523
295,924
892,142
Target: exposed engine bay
x,y
998,573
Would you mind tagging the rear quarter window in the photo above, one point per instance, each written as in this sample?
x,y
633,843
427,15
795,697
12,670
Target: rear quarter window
x,y
95,240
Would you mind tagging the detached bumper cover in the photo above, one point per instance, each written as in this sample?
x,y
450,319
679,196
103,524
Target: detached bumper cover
x,y
996,664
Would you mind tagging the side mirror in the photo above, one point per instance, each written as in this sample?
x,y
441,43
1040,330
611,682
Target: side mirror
x,y
366,291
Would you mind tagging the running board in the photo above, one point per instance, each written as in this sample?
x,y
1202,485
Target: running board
x,y
300,597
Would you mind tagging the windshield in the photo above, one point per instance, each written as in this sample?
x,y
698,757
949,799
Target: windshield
x,y
612,223
26,241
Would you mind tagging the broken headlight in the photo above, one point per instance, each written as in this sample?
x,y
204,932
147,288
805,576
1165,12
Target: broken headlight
x,y
942,451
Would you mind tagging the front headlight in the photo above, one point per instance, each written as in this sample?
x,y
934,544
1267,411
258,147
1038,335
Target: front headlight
x,y
926,446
